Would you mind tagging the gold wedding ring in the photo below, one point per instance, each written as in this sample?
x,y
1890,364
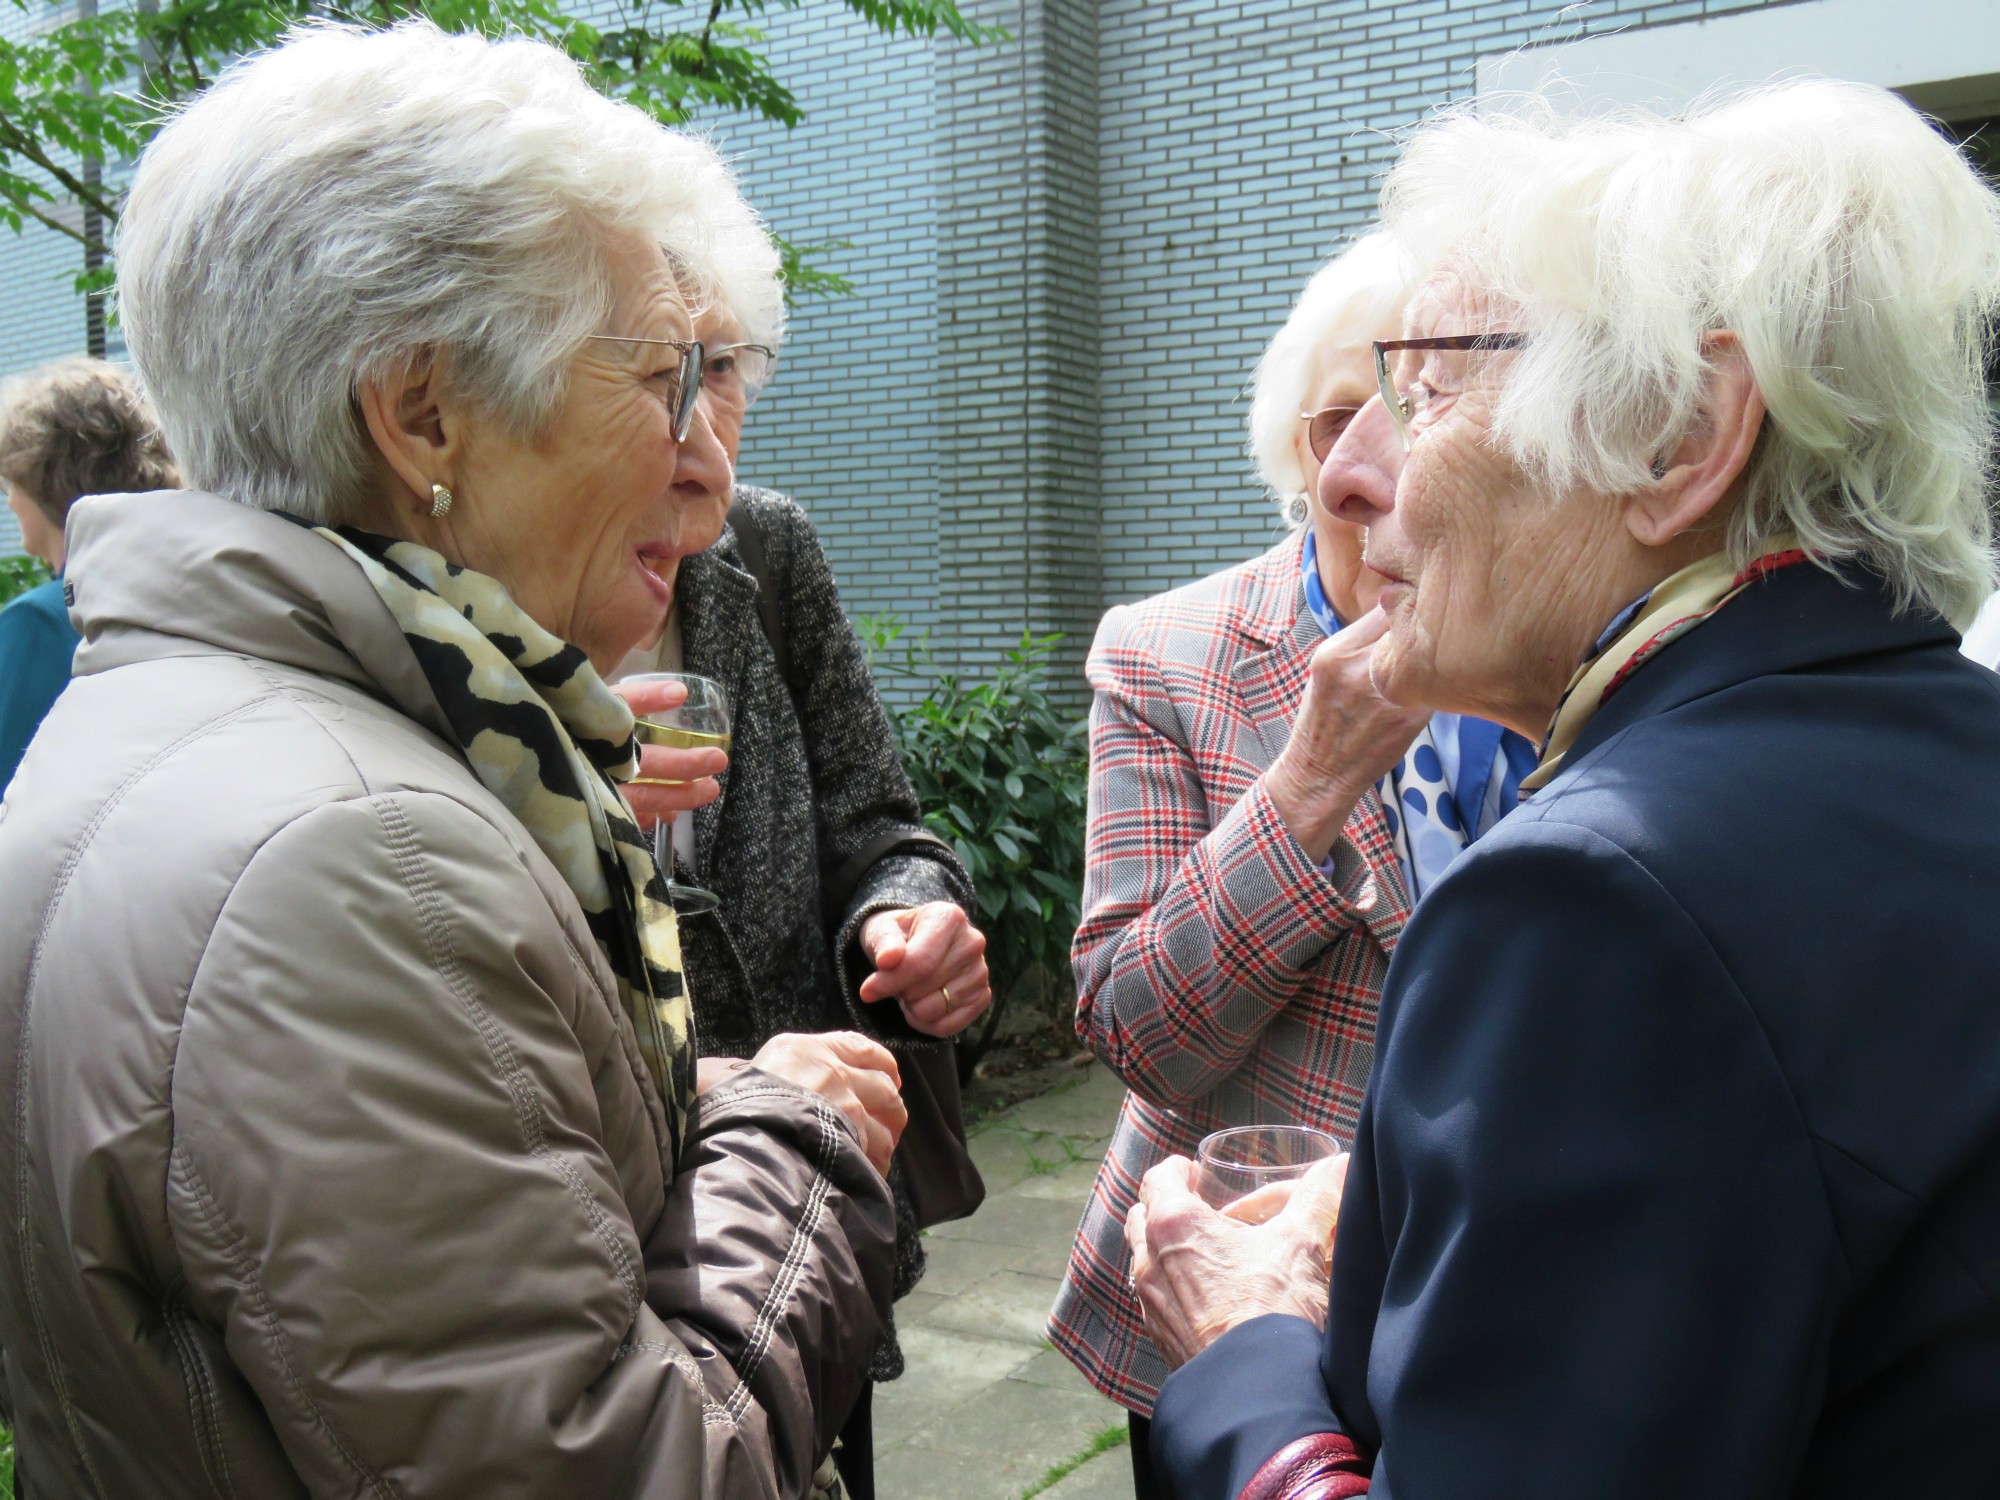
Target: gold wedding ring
x,y
945,990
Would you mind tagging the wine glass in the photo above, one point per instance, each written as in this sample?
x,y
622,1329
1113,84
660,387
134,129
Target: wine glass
x,y
701,722
1238,1171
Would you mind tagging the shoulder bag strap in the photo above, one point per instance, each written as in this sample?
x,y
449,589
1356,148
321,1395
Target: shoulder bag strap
x,y
757,563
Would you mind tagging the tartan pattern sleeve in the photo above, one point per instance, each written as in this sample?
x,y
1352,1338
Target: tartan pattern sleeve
x,y
1193,937
1223,976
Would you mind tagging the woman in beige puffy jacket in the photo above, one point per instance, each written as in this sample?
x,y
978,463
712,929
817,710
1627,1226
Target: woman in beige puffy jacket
x,y
352,1138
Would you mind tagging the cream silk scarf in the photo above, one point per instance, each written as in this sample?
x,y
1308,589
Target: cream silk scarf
x,y
552,742
1680,603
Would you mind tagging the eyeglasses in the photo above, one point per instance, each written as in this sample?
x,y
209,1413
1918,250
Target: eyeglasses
x,y
737,372
1324,427
1407,404
684,388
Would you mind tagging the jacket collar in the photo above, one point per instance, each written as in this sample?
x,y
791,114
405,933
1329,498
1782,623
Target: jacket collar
x,y
1279,633
1269,676
1789,621
178,572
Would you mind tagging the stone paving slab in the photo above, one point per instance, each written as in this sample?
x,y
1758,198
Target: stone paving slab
x,y
988,1407
1005,1305
1010,1218
1105,1477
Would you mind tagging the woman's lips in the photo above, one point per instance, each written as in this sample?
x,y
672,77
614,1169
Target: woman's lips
x,y
650,564
1392,585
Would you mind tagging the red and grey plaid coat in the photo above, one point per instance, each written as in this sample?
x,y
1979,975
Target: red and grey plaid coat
x,y
1219,972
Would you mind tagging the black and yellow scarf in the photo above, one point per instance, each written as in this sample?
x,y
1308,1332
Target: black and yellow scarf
x,y
552,742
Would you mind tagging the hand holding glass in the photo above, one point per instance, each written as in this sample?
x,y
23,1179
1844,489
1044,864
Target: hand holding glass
x,y
1249,1172
700,722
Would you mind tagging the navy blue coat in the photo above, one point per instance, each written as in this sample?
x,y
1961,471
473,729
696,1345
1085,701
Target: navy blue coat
x,y
1679,1170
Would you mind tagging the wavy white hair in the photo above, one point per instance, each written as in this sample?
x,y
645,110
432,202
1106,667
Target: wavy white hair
x,y
1853,250
1350,298
351,202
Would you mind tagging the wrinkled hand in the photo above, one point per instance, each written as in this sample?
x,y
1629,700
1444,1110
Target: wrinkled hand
x,y
1346,738
919,953
1200,1272
857,1076
694,770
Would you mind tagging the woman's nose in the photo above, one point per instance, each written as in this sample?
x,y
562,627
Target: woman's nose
x,y
702,467
1357,482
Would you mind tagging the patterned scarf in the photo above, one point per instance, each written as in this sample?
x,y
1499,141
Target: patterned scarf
x,y
551,741
1459,777
1637,634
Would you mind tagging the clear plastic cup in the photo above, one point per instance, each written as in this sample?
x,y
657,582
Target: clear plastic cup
x,y
1245,1171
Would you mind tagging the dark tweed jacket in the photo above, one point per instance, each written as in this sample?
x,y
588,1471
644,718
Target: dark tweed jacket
x,y
813,776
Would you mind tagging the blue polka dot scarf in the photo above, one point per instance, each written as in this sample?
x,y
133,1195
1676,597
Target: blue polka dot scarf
x,y
1460,776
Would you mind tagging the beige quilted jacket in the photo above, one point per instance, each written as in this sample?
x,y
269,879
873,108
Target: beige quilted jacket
x,y
327,1162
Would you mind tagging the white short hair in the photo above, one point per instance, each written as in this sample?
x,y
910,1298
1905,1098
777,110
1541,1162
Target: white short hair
x,y
1349,299
1853,250
351,202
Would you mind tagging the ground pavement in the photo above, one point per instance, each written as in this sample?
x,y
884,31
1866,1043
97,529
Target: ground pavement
x,y
988,1410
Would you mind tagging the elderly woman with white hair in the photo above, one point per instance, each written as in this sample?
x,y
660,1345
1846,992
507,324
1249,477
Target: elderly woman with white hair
x,y
834,907
356,1138
1679,1170
1262,821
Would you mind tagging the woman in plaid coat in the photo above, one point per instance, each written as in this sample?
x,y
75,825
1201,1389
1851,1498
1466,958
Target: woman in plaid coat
x,y
1245,880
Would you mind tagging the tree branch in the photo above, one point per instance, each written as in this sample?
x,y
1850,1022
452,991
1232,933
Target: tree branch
x,y
63,229
707,33
196,81
15,139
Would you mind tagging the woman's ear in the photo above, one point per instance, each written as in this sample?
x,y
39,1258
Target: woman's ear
x,y
1692,483
413,425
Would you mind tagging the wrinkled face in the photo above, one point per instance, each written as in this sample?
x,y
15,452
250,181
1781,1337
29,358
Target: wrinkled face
x,y
723,399
1494,591
1344,375
586,525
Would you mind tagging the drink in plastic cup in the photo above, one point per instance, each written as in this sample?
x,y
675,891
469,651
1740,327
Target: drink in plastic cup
x,y
1242,1171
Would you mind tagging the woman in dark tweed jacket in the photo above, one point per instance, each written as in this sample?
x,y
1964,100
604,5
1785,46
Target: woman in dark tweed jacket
x,y
813,779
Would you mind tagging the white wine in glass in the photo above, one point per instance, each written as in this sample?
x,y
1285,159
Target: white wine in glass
x,y
701,722
676,738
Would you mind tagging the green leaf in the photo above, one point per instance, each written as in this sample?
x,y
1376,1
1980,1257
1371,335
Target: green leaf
x,y
19,574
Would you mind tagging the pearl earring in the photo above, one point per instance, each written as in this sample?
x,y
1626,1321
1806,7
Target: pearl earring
x,y
440,500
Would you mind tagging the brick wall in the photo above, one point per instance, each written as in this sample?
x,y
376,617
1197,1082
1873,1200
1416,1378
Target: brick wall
x,y
1242,142
856,397
1115,242
1067,249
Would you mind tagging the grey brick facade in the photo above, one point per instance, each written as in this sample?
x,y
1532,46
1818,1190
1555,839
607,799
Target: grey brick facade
x,y
1068,249
1115,241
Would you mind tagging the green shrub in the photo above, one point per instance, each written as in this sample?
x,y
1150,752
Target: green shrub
x,y
1001,773
18,575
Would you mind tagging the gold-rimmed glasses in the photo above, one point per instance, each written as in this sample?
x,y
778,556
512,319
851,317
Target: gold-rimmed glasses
x,y
1324,427
686,388
737,372
1406,404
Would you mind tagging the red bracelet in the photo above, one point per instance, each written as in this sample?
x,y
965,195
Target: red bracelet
x,y
1324,1466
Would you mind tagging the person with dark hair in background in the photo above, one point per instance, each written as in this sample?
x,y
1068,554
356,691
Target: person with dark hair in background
x,y
74,428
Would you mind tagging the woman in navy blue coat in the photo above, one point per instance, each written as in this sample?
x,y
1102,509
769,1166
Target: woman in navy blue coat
x,y
1679,1169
